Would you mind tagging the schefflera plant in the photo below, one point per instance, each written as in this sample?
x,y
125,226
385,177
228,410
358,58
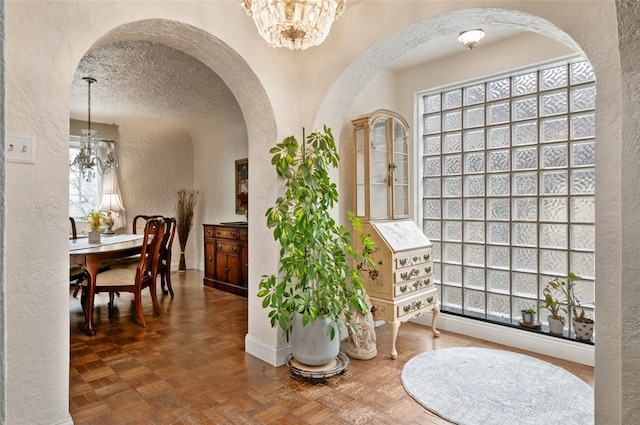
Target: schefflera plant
x,y
319,274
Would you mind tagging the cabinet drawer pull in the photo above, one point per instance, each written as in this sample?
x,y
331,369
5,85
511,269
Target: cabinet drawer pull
x,y
404,275
415,258
210,259
218,233
426,257
406,308
427,269
403,261
403,288
415,272
430,300
233,234
208,232
235,249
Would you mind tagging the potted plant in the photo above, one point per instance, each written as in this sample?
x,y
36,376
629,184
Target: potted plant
x,y
529,315
583,326
319,280
557,310
95,219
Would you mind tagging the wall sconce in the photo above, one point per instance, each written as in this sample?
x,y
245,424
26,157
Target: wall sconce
x,y
471,38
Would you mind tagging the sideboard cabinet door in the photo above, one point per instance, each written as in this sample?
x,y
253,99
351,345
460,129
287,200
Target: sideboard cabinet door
x,y
226,257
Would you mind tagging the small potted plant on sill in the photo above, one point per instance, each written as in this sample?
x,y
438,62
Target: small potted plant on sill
x,y
95,219
529,316
557,310
583,326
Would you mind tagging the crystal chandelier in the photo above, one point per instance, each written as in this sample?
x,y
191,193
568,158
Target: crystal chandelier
x,y
96,155
296,24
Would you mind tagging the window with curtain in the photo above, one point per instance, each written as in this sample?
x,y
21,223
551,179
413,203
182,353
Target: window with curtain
x,y
508,184
83,196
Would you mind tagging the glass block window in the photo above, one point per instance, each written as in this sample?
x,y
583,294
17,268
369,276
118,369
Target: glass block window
x,y
508,188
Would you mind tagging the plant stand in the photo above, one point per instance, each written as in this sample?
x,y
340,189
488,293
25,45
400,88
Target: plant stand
x,y
336,366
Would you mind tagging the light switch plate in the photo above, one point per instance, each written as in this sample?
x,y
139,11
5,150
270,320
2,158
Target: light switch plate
x,y
20,148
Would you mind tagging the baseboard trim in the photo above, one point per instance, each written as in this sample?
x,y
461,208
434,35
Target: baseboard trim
x,y
538,343
68,421
271,355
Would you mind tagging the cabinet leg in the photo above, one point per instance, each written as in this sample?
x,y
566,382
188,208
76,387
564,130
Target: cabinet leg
x,y
436,312
395,325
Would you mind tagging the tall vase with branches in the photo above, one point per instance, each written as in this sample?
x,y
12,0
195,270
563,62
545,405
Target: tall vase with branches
x,y
184,220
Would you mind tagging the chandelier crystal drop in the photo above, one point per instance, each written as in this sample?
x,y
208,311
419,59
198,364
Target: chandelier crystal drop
x,y
296,24
96,155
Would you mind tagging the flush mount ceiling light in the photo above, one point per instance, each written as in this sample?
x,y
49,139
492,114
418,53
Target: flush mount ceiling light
x,y
296,24
471,38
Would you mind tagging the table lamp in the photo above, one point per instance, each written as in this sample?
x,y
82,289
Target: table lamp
x,y
111,203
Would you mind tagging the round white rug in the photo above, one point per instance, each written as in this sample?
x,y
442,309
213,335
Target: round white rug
x,y
480,386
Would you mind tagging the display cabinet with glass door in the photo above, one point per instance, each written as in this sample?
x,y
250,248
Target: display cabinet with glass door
x,y
382,166
401,286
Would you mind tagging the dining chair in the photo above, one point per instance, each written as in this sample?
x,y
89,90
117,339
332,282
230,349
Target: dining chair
x,y
164,264
145,218
133,260
135,279
77,274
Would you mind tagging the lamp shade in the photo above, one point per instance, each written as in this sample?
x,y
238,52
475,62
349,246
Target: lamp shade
x,y
111,202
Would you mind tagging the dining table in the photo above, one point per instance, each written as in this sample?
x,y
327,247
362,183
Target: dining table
x,y
90,256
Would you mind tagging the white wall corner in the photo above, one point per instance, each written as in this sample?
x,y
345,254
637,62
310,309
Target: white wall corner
x,y
272,355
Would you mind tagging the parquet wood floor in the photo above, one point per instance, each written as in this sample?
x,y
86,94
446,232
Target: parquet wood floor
x,y
189,367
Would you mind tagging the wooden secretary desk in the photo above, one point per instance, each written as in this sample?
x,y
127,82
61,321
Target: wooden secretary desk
x,y
401,287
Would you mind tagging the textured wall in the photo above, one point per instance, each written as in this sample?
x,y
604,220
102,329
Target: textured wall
x,y
54,36
629,31
588,28
155,159
3,357
278,92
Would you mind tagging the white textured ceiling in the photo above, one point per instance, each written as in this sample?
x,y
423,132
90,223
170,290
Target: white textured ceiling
x,y
141,79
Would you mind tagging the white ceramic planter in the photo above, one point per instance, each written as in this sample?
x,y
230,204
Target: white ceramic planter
x,y
584,330
556,327
310,344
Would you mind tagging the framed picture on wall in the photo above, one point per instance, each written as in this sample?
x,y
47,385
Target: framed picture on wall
x,y
242,185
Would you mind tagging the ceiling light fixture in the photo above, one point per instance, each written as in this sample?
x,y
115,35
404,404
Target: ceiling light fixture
x,y
471,38
96,155
296,24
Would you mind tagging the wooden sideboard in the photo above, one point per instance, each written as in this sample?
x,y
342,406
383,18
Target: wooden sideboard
x,y
226,257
